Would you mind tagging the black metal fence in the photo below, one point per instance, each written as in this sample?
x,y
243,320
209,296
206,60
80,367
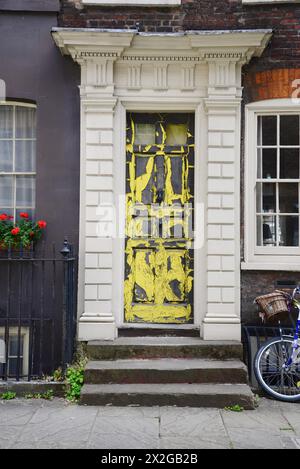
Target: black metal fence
x,y
37,311
253,338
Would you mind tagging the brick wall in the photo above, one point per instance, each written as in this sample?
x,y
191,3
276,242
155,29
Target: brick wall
x,y
284,50
260,283
267,77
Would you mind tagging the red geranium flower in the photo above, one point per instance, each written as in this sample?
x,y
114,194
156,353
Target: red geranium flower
x,y
42,224
24,215
3,216
15,231
31,233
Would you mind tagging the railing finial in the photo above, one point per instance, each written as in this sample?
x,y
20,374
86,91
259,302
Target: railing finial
x,y
66,249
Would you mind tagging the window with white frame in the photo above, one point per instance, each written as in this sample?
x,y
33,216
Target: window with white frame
x,y
277,186
17,158
272,183
17,351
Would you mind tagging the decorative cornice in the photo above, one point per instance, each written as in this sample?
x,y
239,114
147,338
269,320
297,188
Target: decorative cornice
x,y
210,45
93,54
224,53
160,58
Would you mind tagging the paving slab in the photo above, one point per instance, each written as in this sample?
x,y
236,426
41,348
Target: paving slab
x,y
12,413
53,424
58,425
125,432
193,443
203,425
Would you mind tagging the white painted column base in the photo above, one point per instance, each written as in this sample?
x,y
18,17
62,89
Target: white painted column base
x,y
97,330
214,330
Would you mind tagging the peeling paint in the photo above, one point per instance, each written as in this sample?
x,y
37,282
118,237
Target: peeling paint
x,y
159,268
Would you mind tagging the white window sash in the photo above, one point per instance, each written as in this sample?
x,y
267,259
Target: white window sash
x,y
263,257
14,174
24,353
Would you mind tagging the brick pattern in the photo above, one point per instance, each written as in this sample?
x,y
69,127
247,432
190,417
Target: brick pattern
x,y
284,19
258,283
271,84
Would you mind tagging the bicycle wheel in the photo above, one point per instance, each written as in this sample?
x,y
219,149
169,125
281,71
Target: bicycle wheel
x,y
277,381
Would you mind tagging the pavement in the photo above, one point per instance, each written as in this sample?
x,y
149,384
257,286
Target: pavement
x,y
40,424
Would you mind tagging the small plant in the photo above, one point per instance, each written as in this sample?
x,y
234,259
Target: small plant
x,y
7,396
48,395
235,408
58,375
256,400
75,375
21,233
74,379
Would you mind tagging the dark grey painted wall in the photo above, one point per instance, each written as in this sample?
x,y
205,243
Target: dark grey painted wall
x,y
30,5
33,69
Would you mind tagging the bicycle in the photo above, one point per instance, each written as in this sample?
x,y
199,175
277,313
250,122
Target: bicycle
x,y
277,362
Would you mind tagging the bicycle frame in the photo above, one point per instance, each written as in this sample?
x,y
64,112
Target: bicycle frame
x,y
295,347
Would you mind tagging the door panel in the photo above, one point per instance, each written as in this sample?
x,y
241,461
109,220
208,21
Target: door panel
x,y
159,218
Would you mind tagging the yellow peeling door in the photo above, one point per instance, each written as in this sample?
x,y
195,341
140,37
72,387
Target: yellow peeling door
x,y
159,218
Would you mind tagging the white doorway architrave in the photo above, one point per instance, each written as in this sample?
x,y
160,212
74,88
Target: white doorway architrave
x,y
195,71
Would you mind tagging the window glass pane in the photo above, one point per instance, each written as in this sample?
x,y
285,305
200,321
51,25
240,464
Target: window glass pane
x,y
25,122
25,191
25,155
289,163
6,121
288,198
176,134
13,345
289,130
266,197
266,230
144,134
6,155
12,366
6,191
267,130
269,163
288,231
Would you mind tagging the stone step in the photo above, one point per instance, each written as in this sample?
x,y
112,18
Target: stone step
x,y
163,347
181,395
166,370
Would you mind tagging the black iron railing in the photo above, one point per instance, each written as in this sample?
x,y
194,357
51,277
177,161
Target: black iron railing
x,y
253,338
37,311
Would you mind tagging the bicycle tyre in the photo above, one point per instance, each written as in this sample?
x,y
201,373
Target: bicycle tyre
x,y
266,368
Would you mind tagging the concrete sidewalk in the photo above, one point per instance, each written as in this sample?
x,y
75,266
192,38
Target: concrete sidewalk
x,y
57,424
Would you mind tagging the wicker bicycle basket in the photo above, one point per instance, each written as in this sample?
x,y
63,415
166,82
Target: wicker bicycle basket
x,y
274,306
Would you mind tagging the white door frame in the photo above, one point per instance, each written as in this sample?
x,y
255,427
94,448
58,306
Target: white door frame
x,y
200,189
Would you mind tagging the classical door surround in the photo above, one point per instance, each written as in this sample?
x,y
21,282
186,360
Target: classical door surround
x,y
193,71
